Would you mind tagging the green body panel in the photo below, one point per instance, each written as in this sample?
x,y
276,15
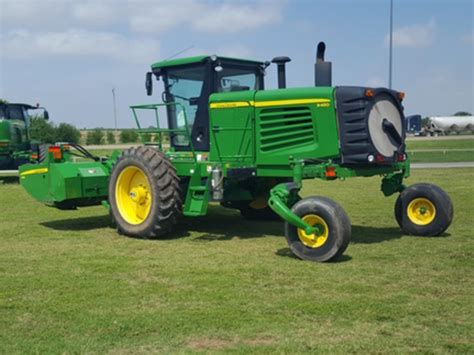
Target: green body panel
x,y
287,126
56,182
4,131
197,196
232,130
299,131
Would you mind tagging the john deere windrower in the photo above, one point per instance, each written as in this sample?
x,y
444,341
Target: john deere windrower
x,y
230,141
16,145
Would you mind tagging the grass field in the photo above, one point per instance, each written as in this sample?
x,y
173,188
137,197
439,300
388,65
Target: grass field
x,y
70,284
440,144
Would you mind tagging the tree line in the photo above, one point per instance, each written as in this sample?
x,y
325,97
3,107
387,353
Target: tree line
x,y
48,132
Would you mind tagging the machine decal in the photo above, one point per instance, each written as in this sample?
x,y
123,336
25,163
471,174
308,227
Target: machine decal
x,y
318,102
35,172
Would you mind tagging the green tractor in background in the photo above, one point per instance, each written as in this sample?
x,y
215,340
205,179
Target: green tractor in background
x,y
234,143
16,146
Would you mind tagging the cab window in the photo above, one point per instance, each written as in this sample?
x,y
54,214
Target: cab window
x,y
15,113
230,80
184,87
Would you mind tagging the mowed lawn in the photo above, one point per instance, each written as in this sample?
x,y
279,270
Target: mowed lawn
x,y
440,150
69,283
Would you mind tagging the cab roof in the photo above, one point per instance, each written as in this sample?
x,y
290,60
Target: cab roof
x,y
27,106
196,59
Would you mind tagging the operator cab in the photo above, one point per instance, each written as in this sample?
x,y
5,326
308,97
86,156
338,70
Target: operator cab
x,y
19,112
188,84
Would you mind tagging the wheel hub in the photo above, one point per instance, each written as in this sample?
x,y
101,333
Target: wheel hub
x,y
132,193
321,231
421,211
139,194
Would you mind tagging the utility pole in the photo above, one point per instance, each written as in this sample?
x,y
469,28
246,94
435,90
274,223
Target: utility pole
x,y
390,47
115,109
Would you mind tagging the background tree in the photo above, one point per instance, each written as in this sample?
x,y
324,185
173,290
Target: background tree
x,y
128,136
67,133
462,113
110,137
42,130
95,137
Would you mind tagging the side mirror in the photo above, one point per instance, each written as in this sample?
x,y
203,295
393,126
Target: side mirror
x,y
149,83
46,115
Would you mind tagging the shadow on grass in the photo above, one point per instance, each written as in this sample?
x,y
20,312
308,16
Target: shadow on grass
x,y
286,252
224,224
9,180
369,234
79,224
218,224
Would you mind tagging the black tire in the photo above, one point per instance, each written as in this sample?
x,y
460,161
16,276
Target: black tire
x,y
339,229
166,203
443,208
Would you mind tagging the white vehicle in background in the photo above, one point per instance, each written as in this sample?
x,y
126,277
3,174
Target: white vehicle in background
x,y
444,125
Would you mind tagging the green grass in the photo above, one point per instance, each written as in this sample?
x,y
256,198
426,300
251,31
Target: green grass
x,y
440,143
69,283
441,157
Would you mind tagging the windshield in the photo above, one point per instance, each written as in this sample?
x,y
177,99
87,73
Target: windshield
x,y
16,112
231,79
184,88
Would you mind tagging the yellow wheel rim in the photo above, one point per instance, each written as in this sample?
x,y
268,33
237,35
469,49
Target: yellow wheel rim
x,y
133,195
318,238
421,211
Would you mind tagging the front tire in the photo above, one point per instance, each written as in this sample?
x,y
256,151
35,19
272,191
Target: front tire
x,y
144,193
333,224
424,210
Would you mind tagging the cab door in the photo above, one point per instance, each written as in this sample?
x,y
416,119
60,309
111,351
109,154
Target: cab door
x,y
232,122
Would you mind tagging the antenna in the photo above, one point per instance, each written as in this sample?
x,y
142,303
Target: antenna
x,y
180,52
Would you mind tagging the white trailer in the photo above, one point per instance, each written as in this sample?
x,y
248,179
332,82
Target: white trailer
x,y
443,125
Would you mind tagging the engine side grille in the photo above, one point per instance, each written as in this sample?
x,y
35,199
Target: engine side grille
x,y
287,127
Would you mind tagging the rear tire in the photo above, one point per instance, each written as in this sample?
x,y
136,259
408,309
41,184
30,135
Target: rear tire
x,y
424,210
334,236
144,193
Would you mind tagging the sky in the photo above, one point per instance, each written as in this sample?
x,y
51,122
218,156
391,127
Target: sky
x,y
68,55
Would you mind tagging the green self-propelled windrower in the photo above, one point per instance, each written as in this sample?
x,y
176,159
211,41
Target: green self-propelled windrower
x,y
16,145
230,141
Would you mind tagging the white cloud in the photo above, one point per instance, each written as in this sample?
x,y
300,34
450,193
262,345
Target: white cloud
x,y
232,18
414,36
227,17
161,16
98,13
33,14
77,42
55,27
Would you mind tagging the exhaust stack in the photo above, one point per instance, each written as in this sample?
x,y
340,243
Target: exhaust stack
x,y
280,62
322,69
